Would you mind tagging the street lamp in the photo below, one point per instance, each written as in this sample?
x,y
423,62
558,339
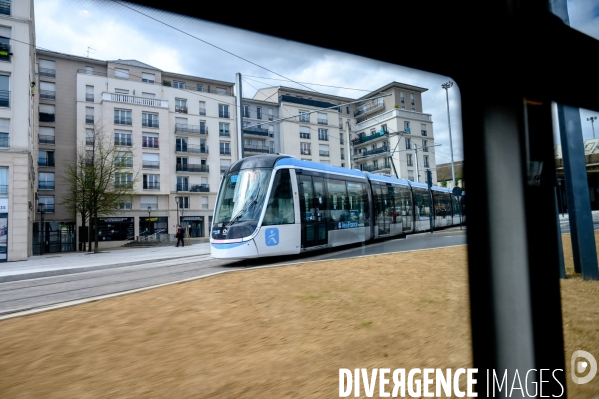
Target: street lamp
x,y
177,200
40,209
446,86
149,215
592,119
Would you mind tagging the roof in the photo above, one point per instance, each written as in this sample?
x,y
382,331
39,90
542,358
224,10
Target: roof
x,y
135,63
444,170
395,84
319,167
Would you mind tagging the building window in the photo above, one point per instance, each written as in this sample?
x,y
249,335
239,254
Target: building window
x,y
3,180
89,70
126,205
425,145
408,144
401,97
223,111
224,165
122,138
47,90
323,150
182,183
148,95
46,181
223,130
121,73
150,161
410,175
148,77
183,202
258,113
123,180
47,111
178,84
270,117
151,182
305,149
322,119
225,148
149,120
426,163
123,160
89,115
204,202
304,132
122,117
409,160
412,98
220,90
406,127
5,34
347,109
304,117
246,111
180,105
323,134
4,133
47,67
384,128
45,158
200,88
121,91
48,202
46,135
150,140
89,93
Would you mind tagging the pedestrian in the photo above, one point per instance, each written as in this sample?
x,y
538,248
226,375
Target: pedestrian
x,y
179,236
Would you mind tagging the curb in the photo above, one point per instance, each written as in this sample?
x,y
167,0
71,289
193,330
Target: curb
x,y
62,272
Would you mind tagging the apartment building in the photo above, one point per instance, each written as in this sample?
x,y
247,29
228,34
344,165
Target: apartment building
x,y
261,134
312,124
17,128
180,130
387,129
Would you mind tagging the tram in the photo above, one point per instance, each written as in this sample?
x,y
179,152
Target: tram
x,y
276,204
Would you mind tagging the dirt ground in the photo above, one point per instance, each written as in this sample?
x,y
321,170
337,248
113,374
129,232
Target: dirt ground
x,y
266,333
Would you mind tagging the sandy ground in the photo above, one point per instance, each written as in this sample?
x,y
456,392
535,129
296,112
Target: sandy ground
x,y
266,333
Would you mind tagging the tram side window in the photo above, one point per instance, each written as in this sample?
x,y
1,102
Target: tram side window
x,y
442,205
358,203
456,205
280,206
403,201
421,203
337,200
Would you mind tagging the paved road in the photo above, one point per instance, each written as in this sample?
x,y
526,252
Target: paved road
x,y
44,292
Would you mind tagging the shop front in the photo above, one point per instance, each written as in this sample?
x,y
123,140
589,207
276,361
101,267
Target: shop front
x,y
195,224
153,224
52,237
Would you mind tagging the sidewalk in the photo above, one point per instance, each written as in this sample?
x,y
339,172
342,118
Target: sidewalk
x,y
76,262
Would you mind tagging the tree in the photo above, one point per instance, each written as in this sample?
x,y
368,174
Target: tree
x,y
444,183
100,179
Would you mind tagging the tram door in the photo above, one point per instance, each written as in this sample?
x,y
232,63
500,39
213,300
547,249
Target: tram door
x,y
313,211
383,208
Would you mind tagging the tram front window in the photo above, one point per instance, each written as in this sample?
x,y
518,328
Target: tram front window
x,y
240,203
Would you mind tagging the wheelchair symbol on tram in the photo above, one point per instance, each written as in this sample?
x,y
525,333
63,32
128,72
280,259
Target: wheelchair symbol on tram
x,y
271,236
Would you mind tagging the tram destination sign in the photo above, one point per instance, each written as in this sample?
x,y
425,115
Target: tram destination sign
x,y
347,225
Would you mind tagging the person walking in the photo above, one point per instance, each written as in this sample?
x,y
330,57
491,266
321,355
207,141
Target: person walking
x,y
179,236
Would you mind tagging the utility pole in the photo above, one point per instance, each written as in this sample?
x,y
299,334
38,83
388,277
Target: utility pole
x,y
239,115
592,119
446,86
416,156
348,144
429,182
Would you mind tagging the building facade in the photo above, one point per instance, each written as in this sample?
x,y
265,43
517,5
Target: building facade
x,y
18,122
178,131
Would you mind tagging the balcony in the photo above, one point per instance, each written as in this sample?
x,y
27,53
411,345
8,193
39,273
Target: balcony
x,y
306,152
192,129
46,185
341,126
46,139
223,114
48,94
149,143
193,168
323,153
89,98
5,51
150,164
323,121
424,132
200,188
304,118
3,189
376,151
375,136
123,185
46,117
5,7
369,108
123,141
322,137
4,98
86,72
4,140
46,162
151,185
375,168
305,101
256,131
224,133
425,149
270,118
126,98
123,162
145,205
203,111
257,149
182,187
376,121
89,120
225,151
304,135
223,169
122,120
149,123
181,109
191,148
48,208
51,73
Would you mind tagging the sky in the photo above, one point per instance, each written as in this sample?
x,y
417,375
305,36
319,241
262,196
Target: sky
x,y
71,26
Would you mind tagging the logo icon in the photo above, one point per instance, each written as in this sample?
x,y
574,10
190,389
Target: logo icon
x,y
581,366
271,236
225,232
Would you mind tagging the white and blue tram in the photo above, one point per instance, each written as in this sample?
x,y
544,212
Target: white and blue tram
x,y
275,204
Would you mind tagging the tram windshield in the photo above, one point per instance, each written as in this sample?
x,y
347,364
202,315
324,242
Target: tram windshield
x,y
242,196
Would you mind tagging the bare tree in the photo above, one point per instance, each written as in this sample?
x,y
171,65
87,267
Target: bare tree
x,y
101,179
